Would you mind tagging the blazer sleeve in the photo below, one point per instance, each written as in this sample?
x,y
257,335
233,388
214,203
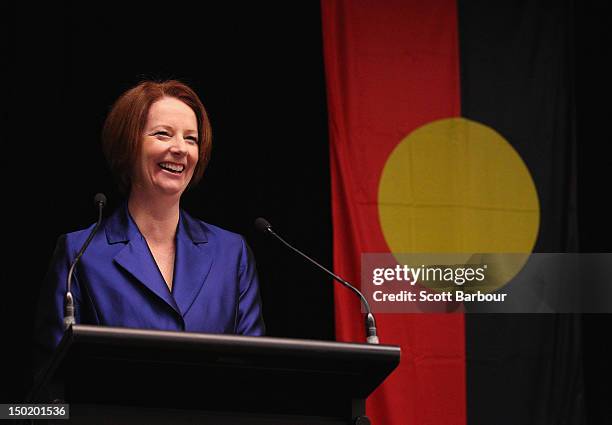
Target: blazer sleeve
x,y
249,320
48,329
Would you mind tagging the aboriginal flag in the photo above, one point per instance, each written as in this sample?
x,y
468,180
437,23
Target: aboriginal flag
x,y
452,130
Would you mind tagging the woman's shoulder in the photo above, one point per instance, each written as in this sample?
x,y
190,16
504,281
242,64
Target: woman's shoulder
x,y
76,237
68,244
203,231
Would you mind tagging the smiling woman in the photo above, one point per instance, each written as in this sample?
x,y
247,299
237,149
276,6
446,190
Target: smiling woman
x,y
160,110
154,266
169,150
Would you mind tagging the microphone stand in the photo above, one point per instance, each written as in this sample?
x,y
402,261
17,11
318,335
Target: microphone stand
x,y
69,318
370,323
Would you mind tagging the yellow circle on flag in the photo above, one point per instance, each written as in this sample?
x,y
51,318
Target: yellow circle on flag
x,y
457,186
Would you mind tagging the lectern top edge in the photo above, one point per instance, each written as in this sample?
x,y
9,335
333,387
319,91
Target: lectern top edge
x,y
103,334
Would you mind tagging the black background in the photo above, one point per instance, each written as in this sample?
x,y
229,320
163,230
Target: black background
x,y
259,70
593,112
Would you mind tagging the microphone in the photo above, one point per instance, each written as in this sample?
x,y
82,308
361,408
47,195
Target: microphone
x,y
100,202
264,226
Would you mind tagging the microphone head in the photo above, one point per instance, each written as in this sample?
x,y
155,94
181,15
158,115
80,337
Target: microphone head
x,y
100,199
263,225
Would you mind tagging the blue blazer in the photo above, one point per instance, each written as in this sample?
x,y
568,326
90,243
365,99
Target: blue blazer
x,y
117,282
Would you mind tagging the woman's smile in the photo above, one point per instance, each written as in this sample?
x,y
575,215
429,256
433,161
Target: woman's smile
x,y
172,167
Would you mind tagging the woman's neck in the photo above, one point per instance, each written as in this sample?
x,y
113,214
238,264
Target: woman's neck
x,y
156,218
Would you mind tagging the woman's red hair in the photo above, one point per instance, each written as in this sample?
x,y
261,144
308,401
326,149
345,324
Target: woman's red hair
x,y
124,126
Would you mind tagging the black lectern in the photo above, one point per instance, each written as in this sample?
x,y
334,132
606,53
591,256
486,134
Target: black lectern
x,y
135,376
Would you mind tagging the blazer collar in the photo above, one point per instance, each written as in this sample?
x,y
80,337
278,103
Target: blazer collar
x,y
121,227
193,258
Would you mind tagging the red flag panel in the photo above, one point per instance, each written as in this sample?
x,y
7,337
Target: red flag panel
x,y
391,67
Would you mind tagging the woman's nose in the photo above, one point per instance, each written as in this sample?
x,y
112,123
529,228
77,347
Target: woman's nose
x,y
179,146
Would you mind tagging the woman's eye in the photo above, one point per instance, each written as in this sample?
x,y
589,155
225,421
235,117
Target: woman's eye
x,y
192,140
161,133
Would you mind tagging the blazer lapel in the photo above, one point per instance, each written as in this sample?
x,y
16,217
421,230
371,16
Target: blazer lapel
x,y
135,257
193,261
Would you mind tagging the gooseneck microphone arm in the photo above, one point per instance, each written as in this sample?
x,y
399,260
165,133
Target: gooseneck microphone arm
x,y
370,323
100,201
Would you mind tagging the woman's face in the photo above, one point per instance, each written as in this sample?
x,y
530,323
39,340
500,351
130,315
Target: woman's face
x,y
169,149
